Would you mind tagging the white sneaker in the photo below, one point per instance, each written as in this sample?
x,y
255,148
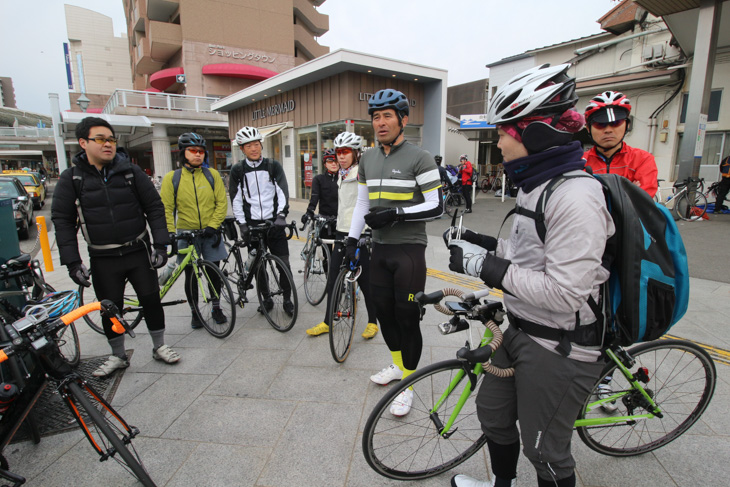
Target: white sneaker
x,y
112,363
166,354
387,375
465,481
604,391
402,404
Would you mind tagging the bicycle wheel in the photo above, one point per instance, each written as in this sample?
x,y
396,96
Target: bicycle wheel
x,y
315,273
343,310
410,447
67,340
132,312
213,299
453,203
682,381
232,269
106,430
691,206
484,186
274,286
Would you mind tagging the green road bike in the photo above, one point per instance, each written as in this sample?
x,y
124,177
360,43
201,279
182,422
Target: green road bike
x,y
657,391
209,289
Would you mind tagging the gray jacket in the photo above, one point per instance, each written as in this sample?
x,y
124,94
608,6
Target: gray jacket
x,y
549,282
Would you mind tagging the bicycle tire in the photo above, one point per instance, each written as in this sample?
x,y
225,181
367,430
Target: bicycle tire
x,y
67,341
270,273
232,268
453,203
315,273
678,371
133,315
484,186
691,206
208,300
410,447
116,431
343,313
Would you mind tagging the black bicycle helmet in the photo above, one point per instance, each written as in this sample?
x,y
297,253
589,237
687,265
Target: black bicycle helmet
x,y
329,154
190,139
389,98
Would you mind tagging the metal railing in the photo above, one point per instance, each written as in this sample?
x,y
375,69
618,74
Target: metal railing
x,y
162,101
26,132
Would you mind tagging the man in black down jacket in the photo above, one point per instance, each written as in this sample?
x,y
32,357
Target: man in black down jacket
x,y
117,202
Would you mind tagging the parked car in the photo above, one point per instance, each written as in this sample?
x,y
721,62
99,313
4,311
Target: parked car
x,y
11,187
33,185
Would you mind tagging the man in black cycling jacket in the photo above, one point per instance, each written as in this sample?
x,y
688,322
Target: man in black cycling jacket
x,y
116,203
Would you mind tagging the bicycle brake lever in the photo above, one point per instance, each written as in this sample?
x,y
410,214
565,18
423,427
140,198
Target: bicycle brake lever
x,y
119,325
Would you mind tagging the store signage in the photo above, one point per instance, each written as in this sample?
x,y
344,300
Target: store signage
x,y
277,109
222,51
478,121
367,96
67,59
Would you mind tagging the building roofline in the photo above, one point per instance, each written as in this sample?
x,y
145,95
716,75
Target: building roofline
x,y
336,62
532,52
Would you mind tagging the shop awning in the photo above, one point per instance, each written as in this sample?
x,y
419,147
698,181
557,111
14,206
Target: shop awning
x,y
272,130
165,78
238,71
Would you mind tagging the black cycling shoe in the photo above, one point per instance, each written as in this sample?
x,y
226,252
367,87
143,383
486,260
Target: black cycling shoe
x,y
289,307
218,316
268,303
195,323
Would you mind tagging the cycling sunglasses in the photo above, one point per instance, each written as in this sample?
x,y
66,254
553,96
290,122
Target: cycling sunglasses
x,y
103,140
601,126
195,150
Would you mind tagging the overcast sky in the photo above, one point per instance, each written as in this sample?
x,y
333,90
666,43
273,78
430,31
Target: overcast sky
x,y
461,36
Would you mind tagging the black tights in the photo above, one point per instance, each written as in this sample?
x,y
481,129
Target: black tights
x,y
397,273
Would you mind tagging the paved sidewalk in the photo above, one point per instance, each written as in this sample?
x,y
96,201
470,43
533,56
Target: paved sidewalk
x,y
263,408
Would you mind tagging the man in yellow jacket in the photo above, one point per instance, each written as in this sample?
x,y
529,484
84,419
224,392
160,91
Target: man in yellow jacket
x,y
195,199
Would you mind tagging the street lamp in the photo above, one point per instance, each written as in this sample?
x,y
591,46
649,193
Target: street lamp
x,y
83,102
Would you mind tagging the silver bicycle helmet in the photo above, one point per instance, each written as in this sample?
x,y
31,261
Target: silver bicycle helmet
x,y
348,139
248,134
540,91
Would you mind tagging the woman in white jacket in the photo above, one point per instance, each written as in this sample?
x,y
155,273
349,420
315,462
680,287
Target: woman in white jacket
x,y
348,147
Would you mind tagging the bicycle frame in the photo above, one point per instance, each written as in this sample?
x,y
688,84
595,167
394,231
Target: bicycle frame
x,y
445,429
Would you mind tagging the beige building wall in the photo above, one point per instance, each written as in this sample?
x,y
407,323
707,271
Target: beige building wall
x,y
273,34
105,58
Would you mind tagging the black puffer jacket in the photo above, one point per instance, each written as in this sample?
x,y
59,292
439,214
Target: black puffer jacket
x,y
115,212
324,192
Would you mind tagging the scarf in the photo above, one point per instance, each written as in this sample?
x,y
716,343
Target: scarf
x,y
529,172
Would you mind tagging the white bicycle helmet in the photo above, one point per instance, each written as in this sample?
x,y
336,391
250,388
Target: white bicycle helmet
x,y
540,91
348,139
248,134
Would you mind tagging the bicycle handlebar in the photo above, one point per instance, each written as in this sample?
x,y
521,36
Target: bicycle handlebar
x,y
34,328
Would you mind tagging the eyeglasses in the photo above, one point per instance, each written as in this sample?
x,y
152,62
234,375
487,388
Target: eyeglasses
x,y
194,150
103,140
601,126
326,161
343,151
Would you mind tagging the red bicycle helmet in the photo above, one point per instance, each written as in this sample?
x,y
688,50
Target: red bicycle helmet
x,y
607,102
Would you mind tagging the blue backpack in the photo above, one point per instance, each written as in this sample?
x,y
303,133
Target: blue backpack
x,y
648,289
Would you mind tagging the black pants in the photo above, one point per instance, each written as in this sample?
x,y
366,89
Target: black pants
x,y
338,255
466,191
397,273
278,245
722,190
109,275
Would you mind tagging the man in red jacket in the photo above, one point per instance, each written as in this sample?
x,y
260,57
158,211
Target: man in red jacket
x,y
607,119
466,172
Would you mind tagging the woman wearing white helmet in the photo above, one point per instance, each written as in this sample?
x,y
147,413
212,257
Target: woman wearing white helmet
x,y
348,147
548,277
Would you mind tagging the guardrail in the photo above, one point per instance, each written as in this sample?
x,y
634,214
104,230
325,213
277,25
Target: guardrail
x,y
162,101
25,132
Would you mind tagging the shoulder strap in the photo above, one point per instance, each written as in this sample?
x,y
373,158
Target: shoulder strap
x,y
209,176
176,183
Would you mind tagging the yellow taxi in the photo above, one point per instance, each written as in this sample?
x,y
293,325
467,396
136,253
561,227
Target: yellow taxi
x,y
33,186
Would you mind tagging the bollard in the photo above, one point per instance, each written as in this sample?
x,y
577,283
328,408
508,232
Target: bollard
x,y
45,247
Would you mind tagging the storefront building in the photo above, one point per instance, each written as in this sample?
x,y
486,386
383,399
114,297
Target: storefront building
x,y
301,111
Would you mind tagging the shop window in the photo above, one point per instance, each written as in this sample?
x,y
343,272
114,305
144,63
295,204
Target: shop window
x,y
308,160
365,130
713,112
328,132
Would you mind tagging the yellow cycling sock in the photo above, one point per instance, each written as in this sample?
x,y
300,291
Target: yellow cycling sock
x,y
406,373
397,359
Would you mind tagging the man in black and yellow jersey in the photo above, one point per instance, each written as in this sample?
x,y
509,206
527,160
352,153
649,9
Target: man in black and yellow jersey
x,y
399,191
